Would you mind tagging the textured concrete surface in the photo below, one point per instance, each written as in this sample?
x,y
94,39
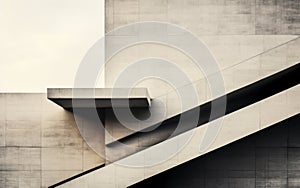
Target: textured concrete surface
x,y
235,77
206,17
269,158
249,39
39,142
235,126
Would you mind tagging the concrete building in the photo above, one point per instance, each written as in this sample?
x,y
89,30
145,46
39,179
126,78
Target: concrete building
x,y
174,139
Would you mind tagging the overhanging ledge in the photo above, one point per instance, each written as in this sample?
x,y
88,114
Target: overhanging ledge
x,y
99,97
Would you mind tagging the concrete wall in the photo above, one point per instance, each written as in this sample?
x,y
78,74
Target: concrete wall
x,y
269,158
39,142
185,147
236,76
235,31
206,17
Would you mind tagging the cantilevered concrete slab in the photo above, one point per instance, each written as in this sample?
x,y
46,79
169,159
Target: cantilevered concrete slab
x,y
235,126
99,97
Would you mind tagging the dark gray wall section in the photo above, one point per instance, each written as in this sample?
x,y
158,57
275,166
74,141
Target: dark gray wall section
x,y
277,16
270,158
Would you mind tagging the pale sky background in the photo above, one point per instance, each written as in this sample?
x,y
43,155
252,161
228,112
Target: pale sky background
x,y
43,41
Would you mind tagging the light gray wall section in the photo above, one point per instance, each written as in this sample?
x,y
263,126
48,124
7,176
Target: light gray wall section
x,y
236,31
210,17
39,142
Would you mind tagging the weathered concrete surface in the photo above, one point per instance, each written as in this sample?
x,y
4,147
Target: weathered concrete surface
x,y
206,17
237,125
249,39
235,77
39,142
269,158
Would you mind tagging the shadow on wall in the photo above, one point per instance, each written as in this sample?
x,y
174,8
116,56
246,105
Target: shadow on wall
x,y
269,158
